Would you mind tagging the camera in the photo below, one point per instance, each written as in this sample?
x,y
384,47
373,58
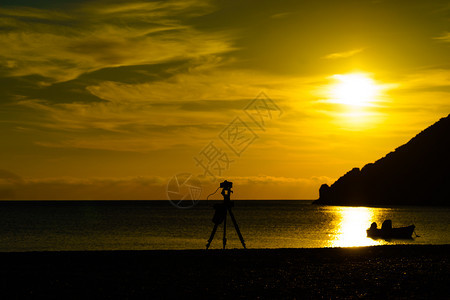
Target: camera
x,y
226,185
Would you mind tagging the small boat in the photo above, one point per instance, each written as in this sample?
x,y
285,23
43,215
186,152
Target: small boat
x,y
387,232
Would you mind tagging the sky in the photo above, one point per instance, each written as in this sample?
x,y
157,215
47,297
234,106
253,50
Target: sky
x,y
120,99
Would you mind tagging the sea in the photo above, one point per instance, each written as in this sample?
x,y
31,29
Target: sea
x,y
159,225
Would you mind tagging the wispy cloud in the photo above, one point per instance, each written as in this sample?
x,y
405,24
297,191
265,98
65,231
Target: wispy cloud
x,y
193,104
281,15
61,46
445,37
344,54
425,79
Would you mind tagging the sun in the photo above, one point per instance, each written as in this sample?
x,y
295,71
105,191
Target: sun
x,y
355,89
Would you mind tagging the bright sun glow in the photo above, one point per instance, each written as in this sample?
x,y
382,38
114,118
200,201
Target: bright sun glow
x,y
355,89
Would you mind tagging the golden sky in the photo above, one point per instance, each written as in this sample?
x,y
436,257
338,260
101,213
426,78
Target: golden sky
x,y
111,99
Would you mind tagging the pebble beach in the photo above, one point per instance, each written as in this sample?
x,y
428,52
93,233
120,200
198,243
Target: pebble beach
x,y
395,272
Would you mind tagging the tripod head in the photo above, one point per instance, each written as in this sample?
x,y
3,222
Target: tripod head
x,y
226,185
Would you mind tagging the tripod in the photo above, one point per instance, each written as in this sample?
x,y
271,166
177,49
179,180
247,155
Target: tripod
x,y
220,216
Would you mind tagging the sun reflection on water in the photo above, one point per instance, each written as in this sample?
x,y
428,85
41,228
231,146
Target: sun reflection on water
x,y
351,225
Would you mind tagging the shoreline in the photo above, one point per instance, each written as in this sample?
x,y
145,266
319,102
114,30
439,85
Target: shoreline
x,y
228,249
388,271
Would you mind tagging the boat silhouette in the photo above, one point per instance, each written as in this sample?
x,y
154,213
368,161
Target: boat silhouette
x,y
388,232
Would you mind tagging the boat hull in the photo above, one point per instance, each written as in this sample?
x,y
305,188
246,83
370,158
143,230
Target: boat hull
x,y
391,233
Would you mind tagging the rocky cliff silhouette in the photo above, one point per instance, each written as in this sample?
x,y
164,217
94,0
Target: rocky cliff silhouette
x,y
417,173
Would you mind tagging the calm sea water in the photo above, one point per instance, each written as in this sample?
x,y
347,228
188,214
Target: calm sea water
x,y
139,225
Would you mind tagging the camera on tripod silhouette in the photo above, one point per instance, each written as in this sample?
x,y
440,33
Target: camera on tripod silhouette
x,y
220,214
226,185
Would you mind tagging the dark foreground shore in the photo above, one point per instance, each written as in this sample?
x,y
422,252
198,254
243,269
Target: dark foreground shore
x,y
368,272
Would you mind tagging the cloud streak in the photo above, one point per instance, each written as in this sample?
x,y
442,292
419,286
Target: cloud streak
x,y
344,54
61,46
193,104
444,37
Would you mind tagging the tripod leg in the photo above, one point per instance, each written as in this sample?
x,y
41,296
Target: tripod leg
x,y
237,228
212,236
225,231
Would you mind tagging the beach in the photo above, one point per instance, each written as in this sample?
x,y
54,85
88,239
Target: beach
x,y
403,271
